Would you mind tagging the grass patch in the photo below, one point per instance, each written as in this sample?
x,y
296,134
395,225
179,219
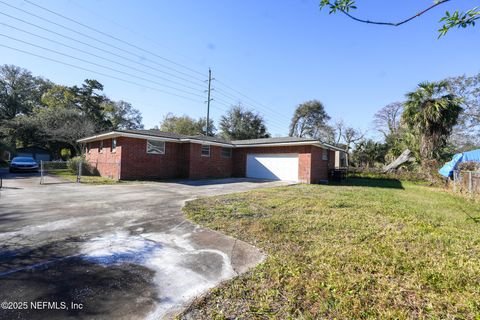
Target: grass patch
x,y
368,250
68,175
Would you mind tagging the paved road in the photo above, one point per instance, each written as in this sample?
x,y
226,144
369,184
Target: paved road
x,y
110,252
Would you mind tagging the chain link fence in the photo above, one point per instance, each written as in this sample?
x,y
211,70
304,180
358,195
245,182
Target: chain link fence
x,y
77,171
52,171
466,182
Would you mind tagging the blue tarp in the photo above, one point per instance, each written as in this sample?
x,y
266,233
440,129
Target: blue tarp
x,y
469,156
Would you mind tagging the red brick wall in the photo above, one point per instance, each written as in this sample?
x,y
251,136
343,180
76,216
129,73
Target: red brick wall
x,y
214,166
304,159
138,164
184,160
107,162
319,166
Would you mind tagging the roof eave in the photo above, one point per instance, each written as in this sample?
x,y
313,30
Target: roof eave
x,y
115,134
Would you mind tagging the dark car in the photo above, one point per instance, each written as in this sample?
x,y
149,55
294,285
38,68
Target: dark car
x,y
23,164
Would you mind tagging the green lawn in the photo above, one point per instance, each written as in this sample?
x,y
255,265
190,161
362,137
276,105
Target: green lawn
x,y
373,249
70,176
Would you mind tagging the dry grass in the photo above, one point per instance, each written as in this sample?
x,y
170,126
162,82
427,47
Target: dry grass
x,y
70,176
372,249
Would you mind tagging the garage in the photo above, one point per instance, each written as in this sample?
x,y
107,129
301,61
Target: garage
x,y
273,166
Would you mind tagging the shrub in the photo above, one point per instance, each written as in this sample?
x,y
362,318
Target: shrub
x,y
65,154
469,166
87,169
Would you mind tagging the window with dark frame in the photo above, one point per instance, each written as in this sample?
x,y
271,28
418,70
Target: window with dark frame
x,y
155,147
114,144
205,150
226,152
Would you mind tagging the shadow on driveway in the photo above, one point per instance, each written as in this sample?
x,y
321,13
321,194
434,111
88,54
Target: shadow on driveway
x,y
47,274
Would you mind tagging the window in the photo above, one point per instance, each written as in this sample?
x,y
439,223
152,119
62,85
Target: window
x,y
114,144
205,150
155,147
100,149
226,152
324,154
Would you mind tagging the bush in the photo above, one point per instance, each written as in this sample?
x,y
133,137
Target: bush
x,y
469,166
65,154
87,169
377,173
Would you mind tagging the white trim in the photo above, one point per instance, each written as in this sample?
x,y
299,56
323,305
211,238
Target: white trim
x,y
275,144
115,134
210,143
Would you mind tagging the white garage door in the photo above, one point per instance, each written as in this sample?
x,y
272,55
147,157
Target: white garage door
x,y
273,166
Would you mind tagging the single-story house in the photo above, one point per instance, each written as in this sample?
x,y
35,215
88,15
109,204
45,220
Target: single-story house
x,y
152,154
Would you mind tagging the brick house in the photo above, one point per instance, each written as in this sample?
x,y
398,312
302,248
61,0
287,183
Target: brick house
x,y
152,154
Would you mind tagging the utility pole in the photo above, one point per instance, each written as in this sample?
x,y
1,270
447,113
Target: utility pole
x,y
208,101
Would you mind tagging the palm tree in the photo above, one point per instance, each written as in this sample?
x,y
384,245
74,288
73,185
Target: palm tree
x,y
430,112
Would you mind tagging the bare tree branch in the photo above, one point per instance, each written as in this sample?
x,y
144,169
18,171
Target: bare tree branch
x,y
394,24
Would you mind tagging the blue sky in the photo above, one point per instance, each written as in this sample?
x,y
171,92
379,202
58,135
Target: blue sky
x,y
276,53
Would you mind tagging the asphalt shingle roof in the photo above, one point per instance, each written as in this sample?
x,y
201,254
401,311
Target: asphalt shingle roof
x,y
155,133
273,140
252,142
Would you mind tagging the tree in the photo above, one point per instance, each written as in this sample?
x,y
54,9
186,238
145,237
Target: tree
x,y
456,19
59,96
122,115
53,128
34,111
240,124
368,153
465,134
310,120
387,119
431,112
20,92
186,125
347,135
91,102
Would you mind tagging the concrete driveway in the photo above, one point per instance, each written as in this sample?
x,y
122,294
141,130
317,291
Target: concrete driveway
x,y
110,252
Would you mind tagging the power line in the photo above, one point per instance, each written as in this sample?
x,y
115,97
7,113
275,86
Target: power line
x,y
247,97
269,124
93,38
109,52
274,112
237,100
133,31
103,50
99,65
113,37
95,55
271,120
96,72
278,120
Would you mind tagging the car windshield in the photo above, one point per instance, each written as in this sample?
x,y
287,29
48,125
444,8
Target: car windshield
x,y
23,159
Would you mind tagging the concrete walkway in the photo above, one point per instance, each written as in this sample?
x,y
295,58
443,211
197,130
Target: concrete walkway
x,y
111,252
